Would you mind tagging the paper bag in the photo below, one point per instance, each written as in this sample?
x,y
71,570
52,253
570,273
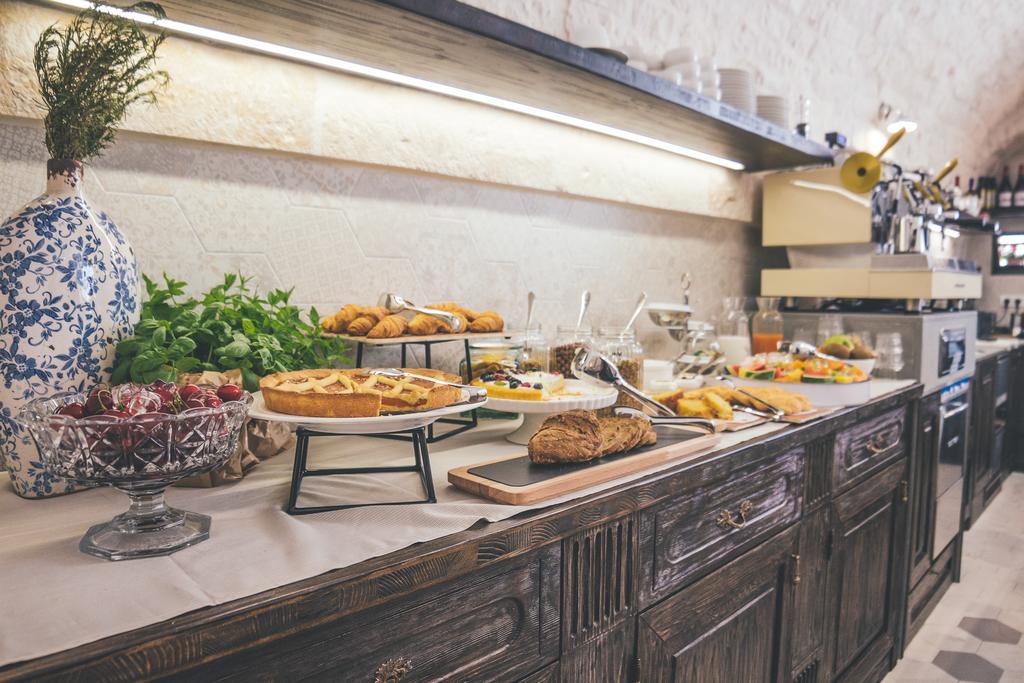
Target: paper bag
x,y
260,439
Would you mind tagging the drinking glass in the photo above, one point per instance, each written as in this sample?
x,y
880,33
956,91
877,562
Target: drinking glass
x,y
889,347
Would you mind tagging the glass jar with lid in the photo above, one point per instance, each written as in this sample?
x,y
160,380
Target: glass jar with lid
x,y
535,354
492,355
568,340
623,349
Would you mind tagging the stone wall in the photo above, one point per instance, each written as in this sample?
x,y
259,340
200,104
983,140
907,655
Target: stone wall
x,y
340,232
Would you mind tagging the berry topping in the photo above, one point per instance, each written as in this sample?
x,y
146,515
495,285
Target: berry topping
x,y
525,385
487,377
513,384
538,386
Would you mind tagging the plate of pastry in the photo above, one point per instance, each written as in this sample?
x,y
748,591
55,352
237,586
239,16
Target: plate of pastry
x,y
361,402
535,395
376,324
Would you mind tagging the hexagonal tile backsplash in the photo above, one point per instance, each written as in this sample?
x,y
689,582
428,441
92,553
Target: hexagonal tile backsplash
x,y
342,232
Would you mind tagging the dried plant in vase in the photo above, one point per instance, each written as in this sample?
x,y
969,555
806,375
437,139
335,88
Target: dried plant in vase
x,y
69,279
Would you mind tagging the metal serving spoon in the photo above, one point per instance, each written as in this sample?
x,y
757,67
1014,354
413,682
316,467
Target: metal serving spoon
x,y
396,304
395,373
584,305
524,353
597,369
804,349
640,303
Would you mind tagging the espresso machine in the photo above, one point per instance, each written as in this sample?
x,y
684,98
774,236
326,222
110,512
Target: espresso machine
x,y
868,229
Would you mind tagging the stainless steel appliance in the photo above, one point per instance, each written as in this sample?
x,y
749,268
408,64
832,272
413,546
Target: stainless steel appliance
x,y
938,348
952,459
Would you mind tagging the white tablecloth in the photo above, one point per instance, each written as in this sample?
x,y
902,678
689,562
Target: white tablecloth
x,y
56,597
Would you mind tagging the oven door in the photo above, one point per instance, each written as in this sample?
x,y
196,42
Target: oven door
x,y
952,351
949,475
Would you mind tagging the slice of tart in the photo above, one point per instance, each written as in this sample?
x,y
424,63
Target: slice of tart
x,y
522,386
355,393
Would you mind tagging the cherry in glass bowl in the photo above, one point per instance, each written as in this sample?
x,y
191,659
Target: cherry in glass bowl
x,y
141,455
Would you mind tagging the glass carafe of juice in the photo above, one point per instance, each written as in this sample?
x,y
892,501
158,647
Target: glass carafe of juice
x,y
766,326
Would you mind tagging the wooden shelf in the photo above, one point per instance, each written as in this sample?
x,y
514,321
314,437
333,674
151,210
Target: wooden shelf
x,y
445,41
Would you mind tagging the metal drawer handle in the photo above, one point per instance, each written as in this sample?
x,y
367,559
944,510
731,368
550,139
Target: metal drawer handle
x,y
875,444
726,519
393,670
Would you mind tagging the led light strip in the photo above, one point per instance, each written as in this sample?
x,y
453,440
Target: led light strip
x,y
400,79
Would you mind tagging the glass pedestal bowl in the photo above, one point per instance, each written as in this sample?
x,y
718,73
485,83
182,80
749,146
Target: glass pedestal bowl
x,y
141,456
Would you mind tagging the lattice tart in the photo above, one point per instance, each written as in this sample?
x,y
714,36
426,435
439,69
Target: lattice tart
x,y
354,393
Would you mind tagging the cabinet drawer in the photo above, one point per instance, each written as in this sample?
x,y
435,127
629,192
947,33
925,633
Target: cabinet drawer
x,y
500,623
867,445
687,536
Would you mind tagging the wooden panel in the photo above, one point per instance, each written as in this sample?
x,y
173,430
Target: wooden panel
x,y
818,480
922,488
728,626
502,622
598,580
549,674
862,569
605,659
447,42
867,446
689,535
809,596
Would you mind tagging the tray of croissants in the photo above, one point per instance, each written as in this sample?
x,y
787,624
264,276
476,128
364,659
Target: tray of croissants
x,y
378,324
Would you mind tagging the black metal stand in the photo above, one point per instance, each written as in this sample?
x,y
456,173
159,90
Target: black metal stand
x,y
417,436
463,424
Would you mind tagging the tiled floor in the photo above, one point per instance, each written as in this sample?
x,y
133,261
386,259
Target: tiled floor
x,y
974,634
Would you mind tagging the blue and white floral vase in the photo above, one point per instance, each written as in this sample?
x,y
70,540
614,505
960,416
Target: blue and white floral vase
x,y
69,290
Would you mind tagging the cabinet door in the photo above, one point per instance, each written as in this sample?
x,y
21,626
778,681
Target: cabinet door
x,y
810,595
731,625
862,571
922,488
980,434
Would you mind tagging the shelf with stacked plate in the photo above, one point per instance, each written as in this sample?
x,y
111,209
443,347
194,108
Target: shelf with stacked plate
x,y
465,48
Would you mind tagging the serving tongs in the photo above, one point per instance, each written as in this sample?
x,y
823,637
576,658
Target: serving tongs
x,y
773,413
397,304
475,393
597,369
665,420
804,349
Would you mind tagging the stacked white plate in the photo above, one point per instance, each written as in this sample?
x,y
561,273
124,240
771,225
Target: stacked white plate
x,y
710,81
738,89
682,68
773,108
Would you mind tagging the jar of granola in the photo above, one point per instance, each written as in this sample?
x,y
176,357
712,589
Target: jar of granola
x,y
623,349
568,341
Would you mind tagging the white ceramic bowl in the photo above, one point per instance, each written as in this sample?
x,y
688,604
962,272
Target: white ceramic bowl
x,y
866,365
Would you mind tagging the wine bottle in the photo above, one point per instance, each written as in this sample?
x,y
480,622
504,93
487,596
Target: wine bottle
x,y
1004,196
972,202
1018,189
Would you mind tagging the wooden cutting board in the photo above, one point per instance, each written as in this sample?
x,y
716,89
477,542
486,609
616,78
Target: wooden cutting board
x,y
515,480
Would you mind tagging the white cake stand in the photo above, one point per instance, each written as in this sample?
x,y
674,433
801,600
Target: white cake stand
x,y
535,412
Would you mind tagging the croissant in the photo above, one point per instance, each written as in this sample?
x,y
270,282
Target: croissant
x,y
391,326
445,328
366,321
423,324
488,321
339,322
452,307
